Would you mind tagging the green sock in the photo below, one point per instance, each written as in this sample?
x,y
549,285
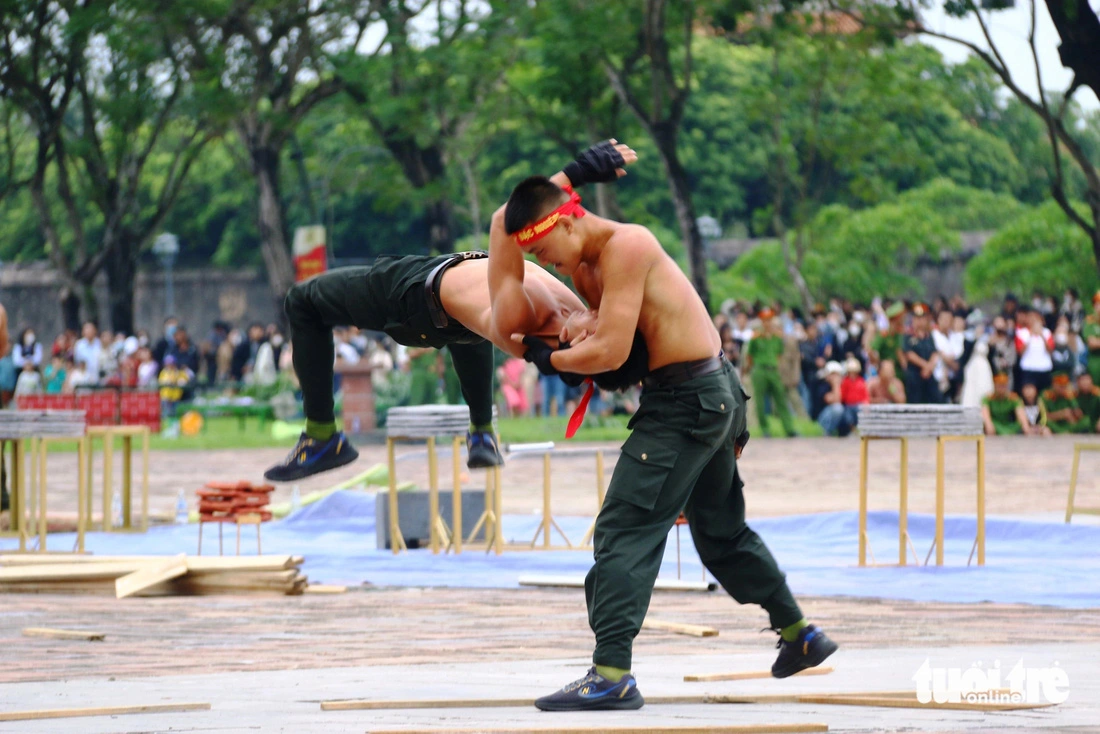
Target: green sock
x,y
319,431
790,634
612,674
481,429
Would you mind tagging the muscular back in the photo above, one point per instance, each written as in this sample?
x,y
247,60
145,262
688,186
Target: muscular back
x,y
464,291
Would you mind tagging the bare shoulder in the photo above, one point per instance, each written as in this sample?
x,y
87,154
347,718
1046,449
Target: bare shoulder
x,y
632,243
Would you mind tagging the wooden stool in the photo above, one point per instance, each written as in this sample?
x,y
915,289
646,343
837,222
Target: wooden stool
x,y
127,434
903,517
238,520
426,423
32,432
681,520
1070,507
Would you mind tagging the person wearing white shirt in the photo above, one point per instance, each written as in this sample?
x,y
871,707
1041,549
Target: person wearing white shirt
x,y
950,344
1034,344
26,349
89,350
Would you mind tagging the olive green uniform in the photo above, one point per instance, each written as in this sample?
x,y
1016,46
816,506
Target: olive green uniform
x,y
765,351
679,457
1002,410
391,295
887,346
424,382
1090,403
1091,328
1054,402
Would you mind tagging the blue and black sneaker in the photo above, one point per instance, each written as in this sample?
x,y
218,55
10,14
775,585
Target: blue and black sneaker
x,y
594,693
808,651
481,450
311,456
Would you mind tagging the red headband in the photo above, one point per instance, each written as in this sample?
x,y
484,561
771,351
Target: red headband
x,y
541,228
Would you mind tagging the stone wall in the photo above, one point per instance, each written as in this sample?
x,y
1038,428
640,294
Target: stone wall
x,y
202,296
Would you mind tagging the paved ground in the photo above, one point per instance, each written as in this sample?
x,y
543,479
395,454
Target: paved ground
x,y
1023,476
264,663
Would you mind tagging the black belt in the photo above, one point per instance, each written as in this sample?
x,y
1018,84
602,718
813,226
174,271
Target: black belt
x,y
440,320
678,373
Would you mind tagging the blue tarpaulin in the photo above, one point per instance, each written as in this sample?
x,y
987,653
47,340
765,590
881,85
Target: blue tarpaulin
x,y
1026,562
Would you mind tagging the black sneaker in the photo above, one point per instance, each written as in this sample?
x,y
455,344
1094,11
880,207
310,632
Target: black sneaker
x,y
311,457
594,693
808,651
481,450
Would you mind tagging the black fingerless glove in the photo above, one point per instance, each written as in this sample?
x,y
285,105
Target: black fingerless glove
x,y
595,165
538,353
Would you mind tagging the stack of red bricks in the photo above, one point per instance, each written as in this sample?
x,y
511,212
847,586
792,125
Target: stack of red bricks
x,y
226,501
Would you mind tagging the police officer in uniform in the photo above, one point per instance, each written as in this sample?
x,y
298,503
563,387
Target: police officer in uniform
x,y
762,354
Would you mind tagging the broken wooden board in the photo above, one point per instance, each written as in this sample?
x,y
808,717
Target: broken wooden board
x,y
56,634
325,589
152,708
715,729
750,674
692,630
151,575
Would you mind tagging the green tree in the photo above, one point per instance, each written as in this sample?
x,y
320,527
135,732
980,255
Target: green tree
x,y
1079,29
1040,250
262,66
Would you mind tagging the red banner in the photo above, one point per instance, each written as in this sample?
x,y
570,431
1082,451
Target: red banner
x,y
310,253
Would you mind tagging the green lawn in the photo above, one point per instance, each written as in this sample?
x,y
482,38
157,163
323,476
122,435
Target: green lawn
x,y
225,433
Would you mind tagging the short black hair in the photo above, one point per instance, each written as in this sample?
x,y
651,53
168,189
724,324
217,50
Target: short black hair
x,y
533,198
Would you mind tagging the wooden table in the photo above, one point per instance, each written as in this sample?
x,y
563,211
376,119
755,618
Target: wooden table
x,y
108,434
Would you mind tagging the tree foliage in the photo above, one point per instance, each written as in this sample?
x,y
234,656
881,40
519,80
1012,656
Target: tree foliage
x,y
1041,250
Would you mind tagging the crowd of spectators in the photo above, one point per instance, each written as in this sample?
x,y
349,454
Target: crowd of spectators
x,y
1033,368
172,362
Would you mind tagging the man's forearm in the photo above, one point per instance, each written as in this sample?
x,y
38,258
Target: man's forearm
x,y
591,357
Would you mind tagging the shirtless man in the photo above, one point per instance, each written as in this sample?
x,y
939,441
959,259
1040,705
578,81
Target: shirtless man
x,y
419,301
687,433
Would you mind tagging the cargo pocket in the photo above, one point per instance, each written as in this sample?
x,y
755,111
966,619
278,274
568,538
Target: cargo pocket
x,y
716,410
643,468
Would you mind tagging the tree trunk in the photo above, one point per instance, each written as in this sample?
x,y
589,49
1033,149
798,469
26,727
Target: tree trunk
x,y
273,242
121,269
665,137
1079,29
439,218
70,308
424,168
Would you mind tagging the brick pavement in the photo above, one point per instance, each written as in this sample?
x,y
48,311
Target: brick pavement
x,y
169,636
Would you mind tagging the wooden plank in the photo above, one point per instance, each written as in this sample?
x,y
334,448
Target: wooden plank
x,y
324,589
56,634
692,630
152,708
796,697
913,703
462,703
713,729
195,564
152,575
70,571
751,674
577,582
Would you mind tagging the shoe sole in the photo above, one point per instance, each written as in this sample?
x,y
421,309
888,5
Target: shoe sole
x,y
616,704
302,473
808,662
475,464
